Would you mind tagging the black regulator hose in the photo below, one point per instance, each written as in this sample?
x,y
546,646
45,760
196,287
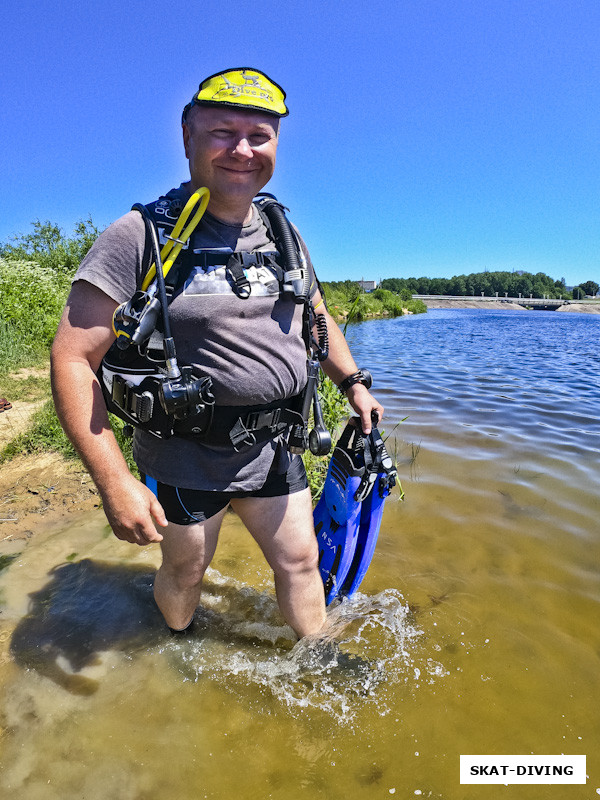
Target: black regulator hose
x,y
168,343
296,277
160,278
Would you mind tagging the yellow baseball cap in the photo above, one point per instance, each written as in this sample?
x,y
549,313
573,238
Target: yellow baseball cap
x,y
242,87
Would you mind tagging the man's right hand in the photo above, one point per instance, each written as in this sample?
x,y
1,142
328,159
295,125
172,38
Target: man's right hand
x,y
133,511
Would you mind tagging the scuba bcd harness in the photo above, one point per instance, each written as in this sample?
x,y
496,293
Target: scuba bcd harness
x,y
154,397
140,378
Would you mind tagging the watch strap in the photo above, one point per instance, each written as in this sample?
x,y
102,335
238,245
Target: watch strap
x,y
361,376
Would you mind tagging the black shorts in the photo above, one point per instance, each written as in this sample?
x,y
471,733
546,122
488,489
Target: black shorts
x,y
188,506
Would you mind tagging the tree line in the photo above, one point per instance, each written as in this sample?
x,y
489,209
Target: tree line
x,y
513,284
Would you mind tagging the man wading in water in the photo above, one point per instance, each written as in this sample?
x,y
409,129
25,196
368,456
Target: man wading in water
x,y
237,327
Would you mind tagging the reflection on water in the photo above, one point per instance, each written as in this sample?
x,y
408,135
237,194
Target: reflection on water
x,y
476,630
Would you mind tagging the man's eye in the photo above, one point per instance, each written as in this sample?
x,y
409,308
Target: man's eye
x,y
259,138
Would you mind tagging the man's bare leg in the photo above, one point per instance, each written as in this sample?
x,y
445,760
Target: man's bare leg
x,y
283,528
187,551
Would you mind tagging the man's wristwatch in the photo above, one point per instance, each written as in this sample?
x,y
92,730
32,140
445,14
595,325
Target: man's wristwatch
x,y
362,376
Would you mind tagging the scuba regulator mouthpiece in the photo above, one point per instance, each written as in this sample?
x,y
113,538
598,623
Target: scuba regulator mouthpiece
x,y
319,439
134,321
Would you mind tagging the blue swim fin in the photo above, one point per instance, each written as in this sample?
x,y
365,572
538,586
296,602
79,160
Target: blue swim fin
x,y
337,515
382,468
348,515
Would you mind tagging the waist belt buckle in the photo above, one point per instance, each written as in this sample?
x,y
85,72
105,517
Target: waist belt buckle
x,y
248,259
242,433
240,436
268,418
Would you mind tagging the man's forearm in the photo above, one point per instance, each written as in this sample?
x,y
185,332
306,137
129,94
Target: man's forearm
x,y
339,365
82,413
340,362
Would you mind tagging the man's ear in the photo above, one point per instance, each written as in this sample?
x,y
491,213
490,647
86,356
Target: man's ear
x,y
186,138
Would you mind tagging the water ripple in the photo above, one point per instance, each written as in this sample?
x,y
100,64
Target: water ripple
x,y
523,377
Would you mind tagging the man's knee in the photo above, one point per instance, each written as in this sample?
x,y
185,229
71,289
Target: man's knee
x,y
184,574
299,560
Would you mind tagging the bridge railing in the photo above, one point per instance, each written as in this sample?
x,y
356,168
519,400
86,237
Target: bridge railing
x,y
528,301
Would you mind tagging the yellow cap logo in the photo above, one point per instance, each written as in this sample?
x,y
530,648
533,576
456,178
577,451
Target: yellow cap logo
x,y
241,88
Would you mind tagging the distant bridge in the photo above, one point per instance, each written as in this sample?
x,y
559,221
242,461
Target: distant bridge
x,y
544,304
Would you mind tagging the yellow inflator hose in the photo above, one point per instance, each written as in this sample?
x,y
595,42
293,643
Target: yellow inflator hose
x,y
177,238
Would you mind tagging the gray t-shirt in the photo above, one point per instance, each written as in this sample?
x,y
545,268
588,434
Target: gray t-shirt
x,y
252,349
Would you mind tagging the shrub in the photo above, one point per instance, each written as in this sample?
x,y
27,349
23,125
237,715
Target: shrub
x,y
35,274
50,248
416,307
31,301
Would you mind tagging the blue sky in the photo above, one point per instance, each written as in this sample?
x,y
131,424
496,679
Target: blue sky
x,y
426,137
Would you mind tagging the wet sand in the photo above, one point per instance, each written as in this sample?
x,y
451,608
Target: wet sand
x,y
39,490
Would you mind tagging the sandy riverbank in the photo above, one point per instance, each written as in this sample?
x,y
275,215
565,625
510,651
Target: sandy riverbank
x,y
585,308
493,304
39,488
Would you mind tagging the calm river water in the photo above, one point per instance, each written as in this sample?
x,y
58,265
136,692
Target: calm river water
x,y
476,629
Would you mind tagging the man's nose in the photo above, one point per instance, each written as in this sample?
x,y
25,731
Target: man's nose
x,y
242,148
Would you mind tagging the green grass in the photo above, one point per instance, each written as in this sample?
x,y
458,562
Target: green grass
x,y
44,435
30,388
18,349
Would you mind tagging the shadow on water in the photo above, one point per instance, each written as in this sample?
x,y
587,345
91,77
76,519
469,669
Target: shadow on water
x,y
90,607
87,607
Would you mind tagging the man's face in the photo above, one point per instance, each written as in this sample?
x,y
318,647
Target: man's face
x,y
231,152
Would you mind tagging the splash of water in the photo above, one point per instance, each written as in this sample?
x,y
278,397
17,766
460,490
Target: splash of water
x,y
368,646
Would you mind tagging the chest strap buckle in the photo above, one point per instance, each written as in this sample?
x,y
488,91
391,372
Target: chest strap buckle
x,y
235,270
